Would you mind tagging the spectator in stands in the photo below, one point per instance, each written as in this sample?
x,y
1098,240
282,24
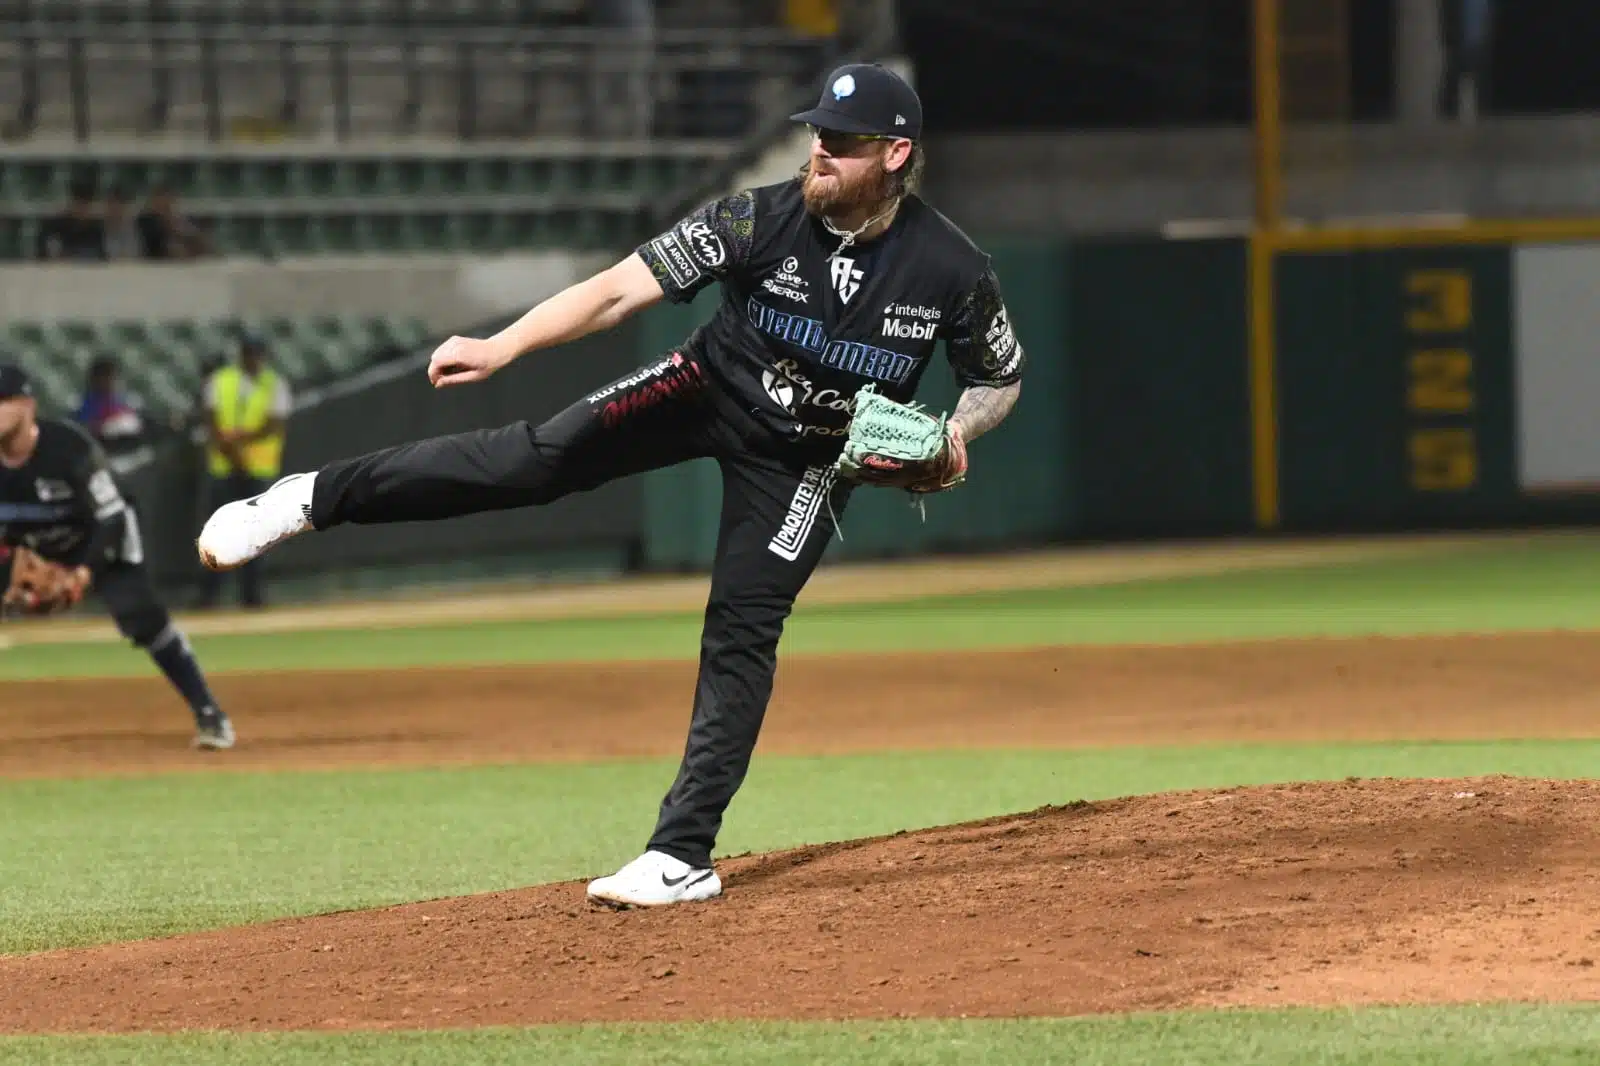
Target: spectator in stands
x,y
1466,30
77,234
248,406
625,100
110,415
167,233
123,237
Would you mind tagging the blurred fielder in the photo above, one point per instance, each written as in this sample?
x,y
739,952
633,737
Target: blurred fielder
x,y
68,529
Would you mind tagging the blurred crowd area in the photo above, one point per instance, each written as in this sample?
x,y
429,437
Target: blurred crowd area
x,y
184,131
171,129
144,132
110,226
266,70
167,130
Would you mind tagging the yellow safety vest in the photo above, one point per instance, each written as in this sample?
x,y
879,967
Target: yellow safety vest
x,y
816,17
238,411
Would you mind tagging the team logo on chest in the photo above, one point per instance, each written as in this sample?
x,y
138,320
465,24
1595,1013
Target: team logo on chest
x,y
50,490
846,278
868,360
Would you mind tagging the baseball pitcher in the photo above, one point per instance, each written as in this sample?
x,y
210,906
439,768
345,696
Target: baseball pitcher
x,y
837,287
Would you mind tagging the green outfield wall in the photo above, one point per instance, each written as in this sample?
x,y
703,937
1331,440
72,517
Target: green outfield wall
x,y
1414,387
1438,386
1395,387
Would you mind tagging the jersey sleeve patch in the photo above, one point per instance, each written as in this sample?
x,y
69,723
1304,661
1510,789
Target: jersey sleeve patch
x,y
983,348
703,247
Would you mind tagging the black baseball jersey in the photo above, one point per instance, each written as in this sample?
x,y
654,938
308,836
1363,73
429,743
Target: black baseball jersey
x,y
803,323
65,503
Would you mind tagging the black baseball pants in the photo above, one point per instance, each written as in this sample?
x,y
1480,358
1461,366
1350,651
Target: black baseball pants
x,y
123,585
778,515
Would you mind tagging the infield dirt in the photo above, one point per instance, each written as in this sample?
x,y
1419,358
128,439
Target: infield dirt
x,y
1342,893
1311,691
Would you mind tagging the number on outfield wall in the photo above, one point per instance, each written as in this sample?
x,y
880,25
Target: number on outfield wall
x,y
1440,392
1443,460
1441,381
1441,301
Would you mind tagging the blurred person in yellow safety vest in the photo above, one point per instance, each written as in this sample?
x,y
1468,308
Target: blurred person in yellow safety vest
x,y
815,18
247,408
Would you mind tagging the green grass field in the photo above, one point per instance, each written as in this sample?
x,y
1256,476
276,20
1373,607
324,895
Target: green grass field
x,y
94,860
1516,586
1483,1036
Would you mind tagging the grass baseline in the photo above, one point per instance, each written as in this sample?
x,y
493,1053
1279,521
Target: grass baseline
x,y
1489,1035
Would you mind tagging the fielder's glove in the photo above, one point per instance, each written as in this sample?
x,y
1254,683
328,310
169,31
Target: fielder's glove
x,y
39,586
900,446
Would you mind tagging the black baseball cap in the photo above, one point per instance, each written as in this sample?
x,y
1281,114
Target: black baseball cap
x,y
13,382
866,98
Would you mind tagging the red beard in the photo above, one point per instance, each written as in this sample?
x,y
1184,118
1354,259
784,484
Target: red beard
x,y
834,194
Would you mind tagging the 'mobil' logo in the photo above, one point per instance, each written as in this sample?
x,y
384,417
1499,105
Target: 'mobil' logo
x,y
908,331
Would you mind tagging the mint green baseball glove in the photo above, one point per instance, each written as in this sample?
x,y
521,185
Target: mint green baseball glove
x,y
898,445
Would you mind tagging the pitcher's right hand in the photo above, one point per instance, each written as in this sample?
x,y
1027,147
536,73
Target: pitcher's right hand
x,y
462,360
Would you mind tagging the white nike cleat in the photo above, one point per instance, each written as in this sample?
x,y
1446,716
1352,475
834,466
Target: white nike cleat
x,y
213,731
243,530
655,879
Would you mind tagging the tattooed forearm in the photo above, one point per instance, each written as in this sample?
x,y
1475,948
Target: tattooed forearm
x,y
981,408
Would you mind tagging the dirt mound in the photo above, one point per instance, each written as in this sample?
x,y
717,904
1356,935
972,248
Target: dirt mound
x,y
1352,892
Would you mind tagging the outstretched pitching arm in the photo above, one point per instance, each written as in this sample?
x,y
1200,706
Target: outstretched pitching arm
x,y
696,252
599,302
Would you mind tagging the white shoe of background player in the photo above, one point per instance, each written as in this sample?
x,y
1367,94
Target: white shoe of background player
x,y
241,531
655,879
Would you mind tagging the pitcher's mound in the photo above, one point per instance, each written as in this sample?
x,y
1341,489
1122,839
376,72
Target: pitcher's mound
x,y
1374,891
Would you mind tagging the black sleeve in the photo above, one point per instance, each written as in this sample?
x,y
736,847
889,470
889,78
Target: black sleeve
x,y
703,248
981,345
102,507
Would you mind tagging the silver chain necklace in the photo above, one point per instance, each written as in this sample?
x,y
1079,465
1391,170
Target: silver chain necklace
x,y
847,239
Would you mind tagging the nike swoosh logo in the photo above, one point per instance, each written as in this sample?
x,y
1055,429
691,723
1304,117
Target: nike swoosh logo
x,y
674,882
251,502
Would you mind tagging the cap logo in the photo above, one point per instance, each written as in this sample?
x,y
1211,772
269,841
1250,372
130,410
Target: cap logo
x,y
899,120
843,86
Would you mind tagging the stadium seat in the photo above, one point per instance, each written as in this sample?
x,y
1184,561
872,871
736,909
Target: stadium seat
x,y
57,391
310,203
162,360
25,335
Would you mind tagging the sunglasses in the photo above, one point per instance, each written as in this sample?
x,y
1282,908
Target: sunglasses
x,y
836,142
